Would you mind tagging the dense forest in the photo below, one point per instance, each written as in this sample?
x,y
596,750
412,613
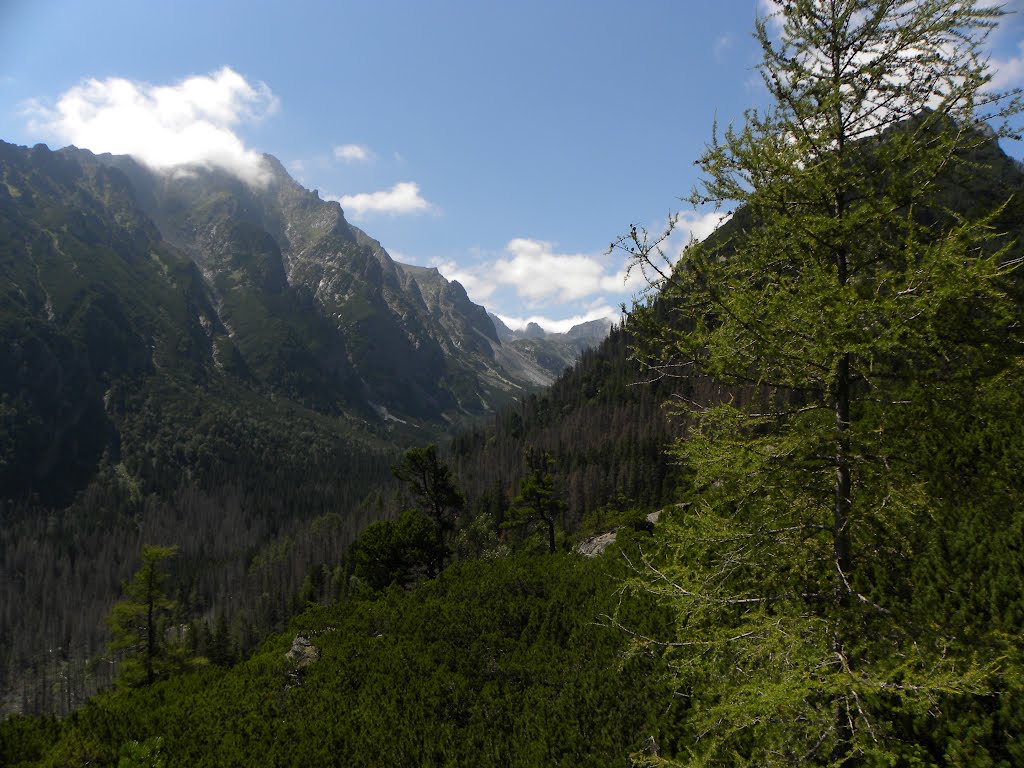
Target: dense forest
x,y
499,661
774,519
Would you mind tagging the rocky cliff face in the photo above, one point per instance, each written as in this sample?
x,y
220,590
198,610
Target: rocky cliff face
x,y
113,272
394,336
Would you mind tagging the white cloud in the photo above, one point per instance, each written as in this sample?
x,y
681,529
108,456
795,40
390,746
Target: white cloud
x,y
537,271
772,11
539,275
1007,73
697,226
403,198
561,326
532,273
189,123
353,153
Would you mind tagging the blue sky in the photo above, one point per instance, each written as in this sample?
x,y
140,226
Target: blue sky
x,y
507,143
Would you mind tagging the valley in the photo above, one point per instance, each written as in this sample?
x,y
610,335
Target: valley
x,y
272,496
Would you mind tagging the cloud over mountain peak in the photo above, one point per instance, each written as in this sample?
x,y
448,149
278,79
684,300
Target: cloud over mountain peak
x,y
192,122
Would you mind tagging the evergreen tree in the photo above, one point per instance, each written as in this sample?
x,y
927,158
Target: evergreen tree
x,y
536,501
219,646
399,551
138,622
851,310
431,484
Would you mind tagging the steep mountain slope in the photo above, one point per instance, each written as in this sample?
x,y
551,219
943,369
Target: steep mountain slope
x,y
91,296
131,413
398,338
112,273
187,359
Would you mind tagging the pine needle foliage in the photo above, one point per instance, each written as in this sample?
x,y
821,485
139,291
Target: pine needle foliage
x,y
850,309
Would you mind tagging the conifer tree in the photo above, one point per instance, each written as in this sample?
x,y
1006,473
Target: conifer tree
x,y
431,483
536,502
137,622
847,305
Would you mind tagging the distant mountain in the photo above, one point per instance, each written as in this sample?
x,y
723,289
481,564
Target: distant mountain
x,y
542,356
592,332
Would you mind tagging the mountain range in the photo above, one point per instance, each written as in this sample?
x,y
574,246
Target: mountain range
x,y
186,378
190,360
233,368
114,273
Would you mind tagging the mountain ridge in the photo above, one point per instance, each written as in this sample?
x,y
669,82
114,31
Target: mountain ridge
x,y
190,359
283,243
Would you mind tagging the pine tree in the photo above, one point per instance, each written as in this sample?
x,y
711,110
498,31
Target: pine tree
x,y
849,307
431,484
536,502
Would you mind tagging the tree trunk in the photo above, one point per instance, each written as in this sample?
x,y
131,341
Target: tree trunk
x,y
843,489
150,629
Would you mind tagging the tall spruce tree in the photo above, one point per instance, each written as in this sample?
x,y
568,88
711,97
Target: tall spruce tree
x,y
851,310
430,481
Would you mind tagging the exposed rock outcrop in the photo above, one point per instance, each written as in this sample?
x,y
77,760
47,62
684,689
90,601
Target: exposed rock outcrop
x,y
303,653
596,545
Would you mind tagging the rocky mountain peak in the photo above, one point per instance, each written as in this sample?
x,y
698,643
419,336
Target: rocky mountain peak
x,y
284,292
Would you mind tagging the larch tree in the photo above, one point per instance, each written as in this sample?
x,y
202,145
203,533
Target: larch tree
x,y
851,303
138,622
